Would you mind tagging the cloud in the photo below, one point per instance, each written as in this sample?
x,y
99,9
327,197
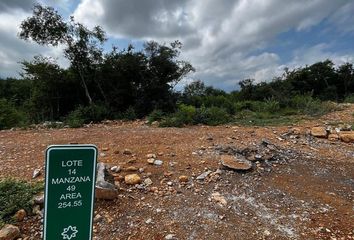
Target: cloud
x,y
14,50
220,37
7,5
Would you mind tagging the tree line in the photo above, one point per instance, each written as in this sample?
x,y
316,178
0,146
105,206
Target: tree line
x,y
132,83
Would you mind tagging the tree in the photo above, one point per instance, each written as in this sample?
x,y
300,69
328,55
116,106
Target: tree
x,y
83,47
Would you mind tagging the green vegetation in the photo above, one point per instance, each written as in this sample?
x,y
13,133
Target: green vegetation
x,y
129,84
16,195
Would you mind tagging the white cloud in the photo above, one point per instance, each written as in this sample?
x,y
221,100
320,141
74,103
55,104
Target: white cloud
x,y
224,40
14,50
219,36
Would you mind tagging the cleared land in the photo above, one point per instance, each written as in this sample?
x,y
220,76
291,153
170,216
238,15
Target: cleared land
x,y
305,192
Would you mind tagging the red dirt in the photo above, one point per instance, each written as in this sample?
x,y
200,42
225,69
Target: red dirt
x,y
308,195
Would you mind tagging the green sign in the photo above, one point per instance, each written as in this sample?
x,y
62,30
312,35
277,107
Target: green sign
x,y
69,192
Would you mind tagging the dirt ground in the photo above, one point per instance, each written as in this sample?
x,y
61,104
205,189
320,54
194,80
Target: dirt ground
x,y
305,192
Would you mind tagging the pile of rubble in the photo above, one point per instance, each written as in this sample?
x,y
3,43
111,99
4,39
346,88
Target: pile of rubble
x,y
343,133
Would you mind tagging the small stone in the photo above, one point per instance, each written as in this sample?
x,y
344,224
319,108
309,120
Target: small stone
x,y
9,232
333,137
116,169
158,162
170,237
183,179
217,197
151,161
36,172
238,163
266,233
106,193
20,215
148,221
204,175
116,152
148,182
105,149
169,183
97,218
102,154
132,179
319,132
39,199
151,155
131,169
127,152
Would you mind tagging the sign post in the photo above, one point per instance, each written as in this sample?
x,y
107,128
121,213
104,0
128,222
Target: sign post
x,y
69,192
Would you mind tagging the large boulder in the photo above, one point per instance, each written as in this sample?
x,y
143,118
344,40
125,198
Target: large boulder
x,y
9,232
105,188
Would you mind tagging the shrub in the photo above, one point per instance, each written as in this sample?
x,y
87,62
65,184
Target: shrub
x,y
128,114
156,115
213,116
349,98
93,113
16,195
186,113
305,104
271,106
9,116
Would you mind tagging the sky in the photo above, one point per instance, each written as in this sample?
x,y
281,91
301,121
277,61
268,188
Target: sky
x,y
225,40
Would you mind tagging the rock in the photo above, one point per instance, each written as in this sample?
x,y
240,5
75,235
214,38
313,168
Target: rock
x,y
333,137
97,218
39,199
148,221
347,137
151,155
36,210
170,237
105,187
115,169
239,163
36,172
158,162
148,182
204,175
266,233
319,132
183,179
105,149
127,152
20,215
151,160
131,169
9,232
132,179
217,197
116,152
106,193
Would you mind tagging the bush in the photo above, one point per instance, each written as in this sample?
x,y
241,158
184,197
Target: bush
x,y
189,115
156,115
212,116
129,114
16,195
305,104
93,113
349,98
9,116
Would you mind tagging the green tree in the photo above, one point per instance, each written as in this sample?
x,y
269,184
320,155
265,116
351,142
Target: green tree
x,y
83,47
